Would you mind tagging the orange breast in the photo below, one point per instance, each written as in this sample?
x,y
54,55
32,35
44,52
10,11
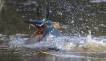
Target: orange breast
x,y
57,26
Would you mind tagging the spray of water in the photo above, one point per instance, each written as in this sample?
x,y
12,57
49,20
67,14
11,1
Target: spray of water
x,y
65,43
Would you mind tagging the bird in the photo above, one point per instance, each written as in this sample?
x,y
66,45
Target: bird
x,y
45,29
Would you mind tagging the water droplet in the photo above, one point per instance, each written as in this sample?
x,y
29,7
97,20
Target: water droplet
x,y
102,25
29,26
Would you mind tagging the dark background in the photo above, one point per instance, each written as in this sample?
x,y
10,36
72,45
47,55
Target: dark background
x,y
79,15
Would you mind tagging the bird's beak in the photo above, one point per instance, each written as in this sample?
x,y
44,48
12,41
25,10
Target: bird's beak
x,y
28,21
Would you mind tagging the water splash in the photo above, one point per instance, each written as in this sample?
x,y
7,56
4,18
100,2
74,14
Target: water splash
x,y
29,26
65,43
91,45
97,1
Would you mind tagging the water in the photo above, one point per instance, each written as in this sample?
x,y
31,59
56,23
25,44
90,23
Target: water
x,y
83,40
70,48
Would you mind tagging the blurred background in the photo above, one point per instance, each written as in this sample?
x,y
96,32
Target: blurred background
x,y
79,15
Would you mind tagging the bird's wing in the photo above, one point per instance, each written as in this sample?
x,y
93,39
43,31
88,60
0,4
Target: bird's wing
x,y
39,31
50,33
54,32
36,36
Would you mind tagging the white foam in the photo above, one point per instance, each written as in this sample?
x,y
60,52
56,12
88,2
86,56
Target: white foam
x,y
66,43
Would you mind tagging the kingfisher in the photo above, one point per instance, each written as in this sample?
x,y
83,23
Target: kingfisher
x,y
45,29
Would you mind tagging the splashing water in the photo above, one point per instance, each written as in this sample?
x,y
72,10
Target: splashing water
x,y
66,43
95,1
91,45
